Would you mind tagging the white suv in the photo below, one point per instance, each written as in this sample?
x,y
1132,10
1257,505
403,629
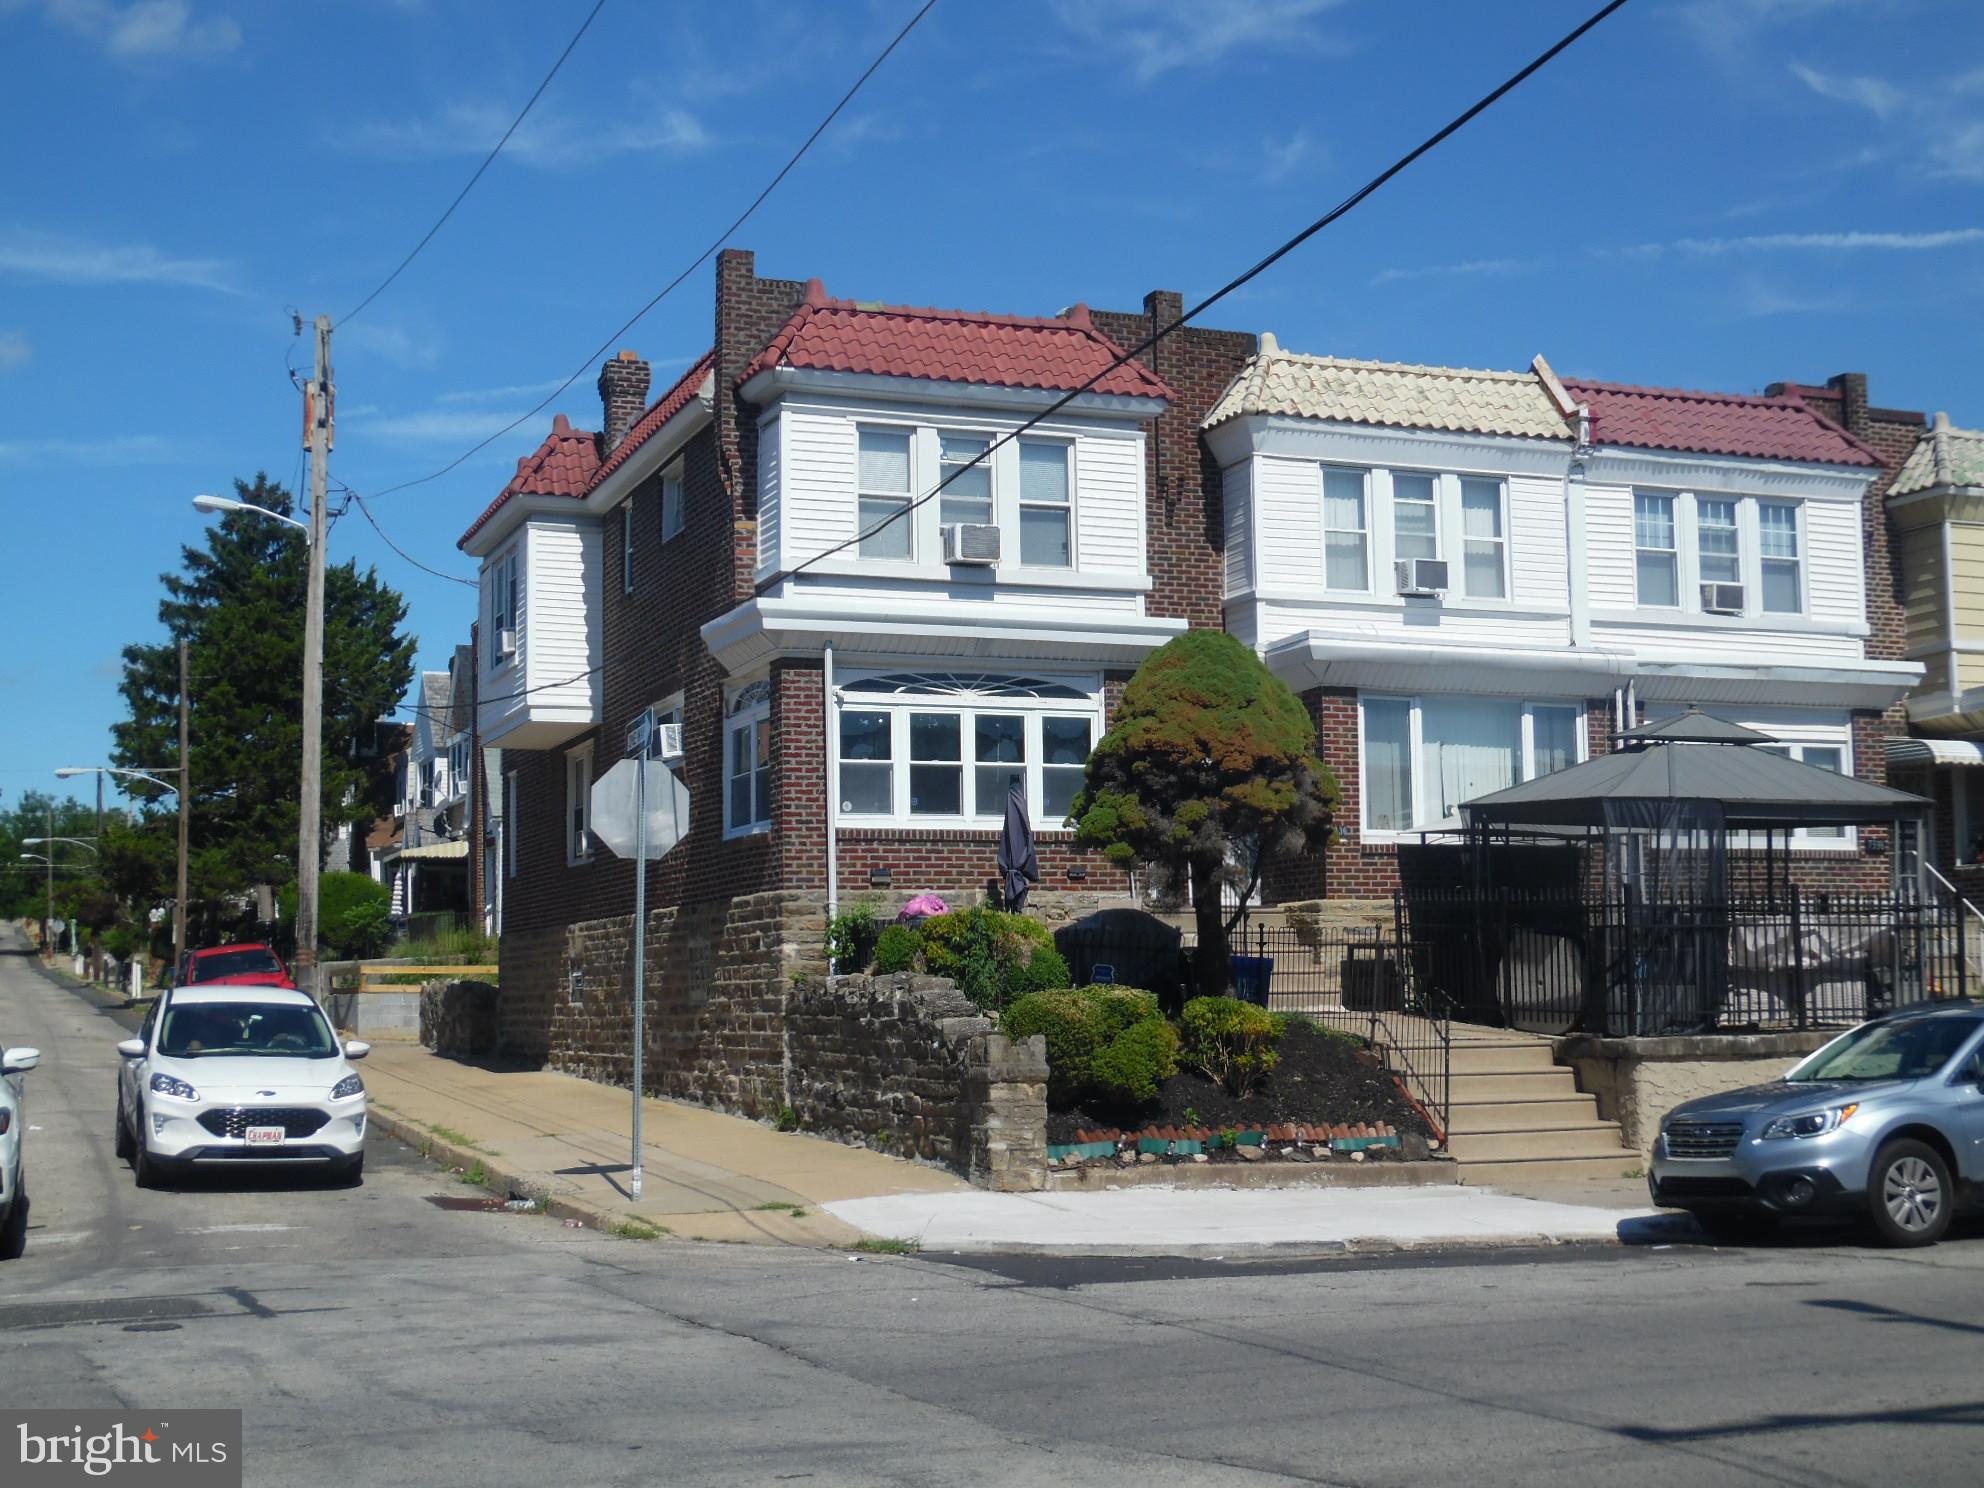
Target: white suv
x,y
13,1129
235,1074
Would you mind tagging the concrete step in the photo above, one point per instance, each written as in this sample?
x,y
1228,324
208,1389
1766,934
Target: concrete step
x,y
1477,1090
1502,1059
1516,1116
1599,1140
1549,1170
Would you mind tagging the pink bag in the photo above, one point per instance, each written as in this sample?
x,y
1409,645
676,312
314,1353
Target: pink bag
x,y
921,908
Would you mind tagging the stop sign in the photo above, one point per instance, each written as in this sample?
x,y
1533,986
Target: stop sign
x,y
616,810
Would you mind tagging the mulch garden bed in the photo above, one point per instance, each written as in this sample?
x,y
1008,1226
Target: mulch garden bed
x,y
1319,1082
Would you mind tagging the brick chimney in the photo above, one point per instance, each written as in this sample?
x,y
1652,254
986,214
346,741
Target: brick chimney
x,y
1852,390
623,397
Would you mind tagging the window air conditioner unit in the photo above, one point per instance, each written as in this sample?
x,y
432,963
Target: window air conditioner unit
x,y
1420,575
667,745
1722,599
971,542
506,643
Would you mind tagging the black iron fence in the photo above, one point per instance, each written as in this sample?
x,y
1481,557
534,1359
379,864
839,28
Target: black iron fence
x,y
1793,959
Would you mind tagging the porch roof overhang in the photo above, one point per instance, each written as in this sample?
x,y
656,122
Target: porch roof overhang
x,y
770,628
1934,752
1320,658
430,852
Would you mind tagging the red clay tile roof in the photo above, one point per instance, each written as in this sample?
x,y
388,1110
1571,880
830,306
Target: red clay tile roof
x,y
564,465
1715,424
659,412
1056,355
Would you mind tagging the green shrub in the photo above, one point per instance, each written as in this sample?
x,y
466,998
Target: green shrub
x,y
1143,1056
457,946
1231,1041
993,957
896,949
353,914
851,937
123,941
1123,1007
1075,1029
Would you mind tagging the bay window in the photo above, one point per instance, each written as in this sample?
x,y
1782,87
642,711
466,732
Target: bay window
x,y
963,740
747,768
1484,539
1423,758
1046,537
1777,543
883,492
1656,555
1346,531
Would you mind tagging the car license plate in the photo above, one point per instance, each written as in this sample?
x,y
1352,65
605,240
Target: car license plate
x,y
265,1136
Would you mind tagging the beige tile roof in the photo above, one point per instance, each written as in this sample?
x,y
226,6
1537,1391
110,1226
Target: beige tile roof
x,y
1945,456
1393,394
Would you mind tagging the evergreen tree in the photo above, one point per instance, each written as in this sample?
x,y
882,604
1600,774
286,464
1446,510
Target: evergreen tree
x,y
239,603
1209,776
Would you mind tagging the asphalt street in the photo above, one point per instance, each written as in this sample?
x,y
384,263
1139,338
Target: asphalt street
x,y
372,1337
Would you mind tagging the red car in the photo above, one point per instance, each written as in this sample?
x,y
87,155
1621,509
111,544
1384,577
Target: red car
x,y
253,965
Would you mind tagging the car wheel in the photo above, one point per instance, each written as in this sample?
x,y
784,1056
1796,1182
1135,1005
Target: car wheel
x,y
149,1171
1909,1195
1737,1227
14,1232
124,1145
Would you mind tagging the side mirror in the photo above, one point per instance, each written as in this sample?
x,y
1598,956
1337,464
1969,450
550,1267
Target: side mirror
x,y
19,1061
132,1048
356,1049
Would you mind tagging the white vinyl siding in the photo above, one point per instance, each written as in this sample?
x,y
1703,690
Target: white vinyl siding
x,y
1237,486
1109,504
1289,499
771,491
817,506
561,578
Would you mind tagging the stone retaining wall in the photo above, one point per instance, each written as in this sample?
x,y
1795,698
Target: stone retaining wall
x,y
458,1018
1639,1080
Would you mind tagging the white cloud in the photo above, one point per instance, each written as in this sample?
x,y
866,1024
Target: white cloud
x,y
1729,30
1279,157
542,140
1472,268
148,30
1160,36
121,449
393,344
55,259
499,394
438,426
14,351
1877,96
1837,242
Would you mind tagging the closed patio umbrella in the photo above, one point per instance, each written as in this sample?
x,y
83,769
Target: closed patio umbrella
x,y
1019,868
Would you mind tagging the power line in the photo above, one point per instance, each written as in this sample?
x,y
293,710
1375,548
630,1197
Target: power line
x,y
1343,207
503,697
367,512
669,288
487,160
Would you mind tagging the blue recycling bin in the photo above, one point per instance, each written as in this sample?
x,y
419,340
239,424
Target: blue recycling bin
x,y
1251,977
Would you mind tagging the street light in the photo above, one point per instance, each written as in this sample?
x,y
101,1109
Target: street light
x,y
72,841
310,805
69,772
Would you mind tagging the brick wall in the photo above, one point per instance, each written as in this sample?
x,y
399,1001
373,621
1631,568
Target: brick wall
x,y
1185,519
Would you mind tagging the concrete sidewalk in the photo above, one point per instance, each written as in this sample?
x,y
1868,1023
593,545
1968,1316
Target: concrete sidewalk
x,y
710,1177
707,1176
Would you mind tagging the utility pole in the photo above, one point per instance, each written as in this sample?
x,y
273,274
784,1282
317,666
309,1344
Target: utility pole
x,y
310,848
185,816
48,925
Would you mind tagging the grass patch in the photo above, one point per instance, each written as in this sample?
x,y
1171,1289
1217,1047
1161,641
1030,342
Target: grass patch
x,y
780,1206
476,1176
454,1138
638,1229
887,1247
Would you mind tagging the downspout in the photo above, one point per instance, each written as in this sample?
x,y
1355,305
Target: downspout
x,y
1574,503
833,787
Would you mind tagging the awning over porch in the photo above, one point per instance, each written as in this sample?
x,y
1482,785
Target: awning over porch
x,y
1934,752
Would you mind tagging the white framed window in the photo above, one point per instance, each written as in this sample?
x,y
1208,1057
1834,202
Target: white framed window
x,y
503,597
1346,530
882,493
1047,527
1421,758
627,546
944,748
512,799
968,497
1718,541
1822,756
1415,515
672,516
747,761
1484,538
1656,553
578,805
1779,550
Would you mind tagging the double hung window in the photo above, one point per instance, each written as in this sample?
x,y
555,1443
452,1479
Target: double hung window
x,y
1777,543
503,596
1656,552
1719,548
883,493
968,495
671,503
578,805
747,766
627,546
1346,531
1046,527
1484,539
1415,516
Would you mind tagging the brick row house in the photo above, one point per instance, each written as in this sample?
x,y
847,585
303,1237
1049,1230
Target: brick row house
x,y
1471,578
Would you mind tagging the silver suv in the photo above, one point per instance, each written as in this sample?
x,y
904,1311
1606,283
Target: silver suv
x,y
1886,1122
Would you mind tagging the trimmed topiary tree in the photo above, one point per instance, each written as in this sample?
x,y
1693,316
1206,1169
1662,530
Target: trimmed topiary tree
x,y
1209,775
1230,1041
1075,1028
1127,1070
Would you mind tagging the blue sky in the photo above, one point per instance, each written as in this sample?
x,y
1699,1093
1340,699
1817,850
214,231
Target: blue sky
x,y
1707,193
